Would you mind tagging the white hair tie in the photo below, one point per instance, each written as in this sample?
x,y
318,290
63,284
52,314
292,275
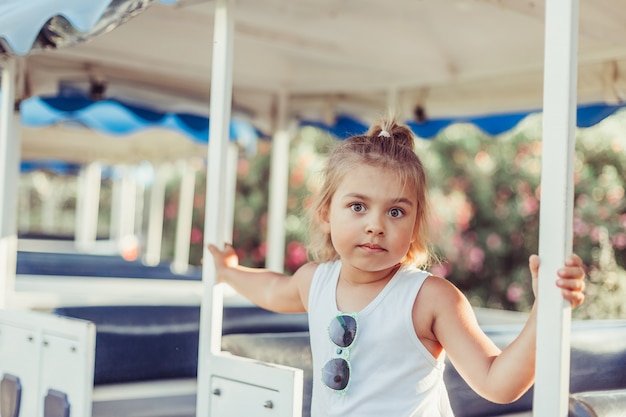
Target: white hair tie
x,y
384,134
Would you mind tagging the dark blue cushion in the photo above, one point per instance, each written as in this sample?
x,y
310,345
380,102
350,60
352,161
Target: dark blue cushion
x,y
84,265
139,343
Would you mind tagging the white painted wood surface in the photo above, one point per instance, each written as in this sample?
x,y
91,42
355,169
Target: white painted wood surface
x,y
48,352
217,370
556,210
9,179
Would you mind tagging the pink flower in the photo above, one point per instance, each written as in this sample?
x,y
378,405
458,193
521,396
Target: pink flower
x,y
524,188
170,211
296,255
530,205
259,253
475,259
196,235
582,200
494,241
464,215
514,293
441,270
603,213
619,241
594,234
298,176
614,196
580,227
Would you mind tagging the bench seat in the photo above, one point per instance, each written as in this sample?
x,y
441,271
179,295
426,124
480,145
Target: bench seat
x,y
138,343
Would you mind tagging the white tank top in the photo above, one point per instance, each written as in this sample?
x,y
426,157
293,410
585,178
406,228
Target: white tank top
x,y
393,374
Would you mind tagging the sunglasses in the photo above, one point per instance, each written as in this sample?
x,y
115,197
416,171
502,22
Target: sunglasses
x,y
336,372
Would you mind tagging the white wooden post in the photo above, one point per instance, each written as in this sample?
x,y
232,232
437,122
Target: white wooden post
x,y
87,206
232,158
184,218
116,206
9,178
50,205
278,190
134,243
211,311
24,208
556,212
229,385
154,234
124,208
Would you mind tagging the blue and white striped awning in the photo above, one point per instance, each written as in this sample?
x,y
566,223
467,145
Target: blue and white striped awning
x,y
587,115
117,118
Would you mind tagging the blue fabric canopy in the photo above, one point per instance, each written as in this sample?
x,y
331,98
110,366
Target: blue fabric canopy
x,y
113,117
57,167
493,124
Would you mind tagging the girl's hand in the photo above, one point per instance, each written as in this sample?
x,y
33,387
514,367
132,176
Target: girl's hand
x,y
223,259
571,278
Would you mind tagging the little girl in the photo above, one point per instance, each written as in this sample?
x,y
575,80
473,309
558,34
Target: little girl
x,y
380,327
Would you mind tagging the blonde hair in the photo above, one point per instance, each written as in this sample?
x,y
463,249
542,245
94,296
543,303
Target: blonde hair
x,y
386,145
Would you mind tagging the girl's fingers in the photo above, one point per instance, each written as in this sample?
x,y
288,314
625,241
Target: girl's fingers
x,y
573,269
571,279
215,250
575,298
533,264
574,260
577,285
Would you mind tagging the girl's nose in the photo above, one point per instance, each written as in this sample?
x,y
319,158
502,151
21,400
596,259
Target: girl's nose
x,y
375,227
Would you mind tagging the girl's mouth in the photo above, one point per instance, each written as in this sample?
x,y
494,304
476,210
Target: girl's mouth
x,y
370,247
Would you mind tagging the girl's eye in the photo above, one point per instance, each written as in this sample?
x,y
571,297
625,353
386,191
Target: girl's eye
x,y
396,213
357,207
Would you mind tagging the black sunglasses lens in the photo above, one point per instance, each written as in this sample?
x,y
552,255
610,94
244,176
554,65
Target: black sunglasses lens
x,y
336,374
342,330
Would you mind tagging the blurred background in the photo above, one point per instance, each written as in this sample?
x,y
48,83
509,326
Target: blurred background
x,y
484,190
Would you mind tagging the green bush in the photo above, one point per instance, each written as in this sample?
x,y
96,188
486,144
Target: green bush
x,y
485,194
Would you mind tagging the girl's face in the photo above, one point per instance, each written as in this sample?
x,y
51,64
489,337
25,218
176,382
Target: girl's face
x,y
371,219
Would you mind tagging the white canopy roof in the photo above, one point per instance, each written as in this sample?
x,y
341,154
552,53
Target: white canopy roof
x,y
453,57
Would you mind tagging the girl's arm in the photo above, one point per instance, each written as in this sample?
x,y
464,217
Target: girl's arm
x,y
267,289
499,376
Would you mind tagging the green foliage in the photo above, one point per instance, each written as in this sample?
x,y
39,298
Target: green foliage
x,y
486,191
251,207
485,194
251,204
